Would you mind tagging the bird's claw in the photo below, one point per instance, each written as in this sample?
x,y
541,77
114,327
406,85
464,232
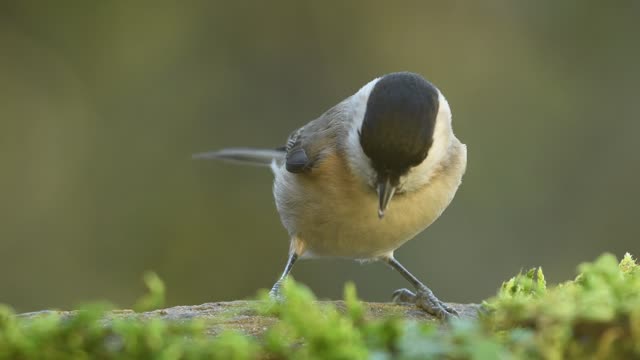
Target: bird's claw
x,y
275,294
425,300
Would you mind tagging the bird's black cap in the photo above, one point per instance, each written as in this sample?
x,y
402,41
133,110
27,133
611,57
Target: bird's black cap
x,y
397,130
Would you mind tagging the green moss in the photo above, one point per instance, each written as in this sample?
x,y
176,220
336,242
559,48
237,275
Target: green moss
x,y
596,315
155,298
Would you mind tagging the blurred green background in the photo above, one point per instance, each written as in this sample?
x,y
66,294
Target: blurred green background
x,y
103,102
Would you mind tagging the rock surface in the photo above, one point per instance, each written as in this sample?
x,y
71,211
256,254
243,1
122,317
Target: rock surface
x,y
242,315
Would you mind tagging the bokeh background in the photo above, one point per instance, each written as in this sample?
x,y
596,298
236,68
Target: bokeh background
x,y
103,102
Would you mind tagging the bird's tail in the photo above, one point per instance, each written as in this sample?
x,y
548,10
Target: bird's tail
x,y
249,156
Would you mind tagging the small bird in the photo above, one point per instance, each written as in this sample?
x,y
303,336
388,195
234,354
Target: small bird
x,y
366,176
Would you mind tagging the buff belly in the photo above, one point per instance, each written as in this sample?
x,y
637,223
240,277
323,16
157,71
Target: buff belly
x,y
329,212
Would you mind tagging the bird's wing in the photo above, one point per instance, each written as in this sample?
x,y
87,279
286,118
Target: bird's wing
x,y
304,148
308,144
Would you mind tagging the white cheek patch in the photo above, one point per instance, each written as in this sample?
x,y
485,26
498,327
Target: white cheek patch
x,y
358,161
442,135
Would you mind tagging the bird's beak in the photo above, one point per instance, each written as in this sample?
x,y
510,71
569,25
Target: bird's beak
x,y
385,193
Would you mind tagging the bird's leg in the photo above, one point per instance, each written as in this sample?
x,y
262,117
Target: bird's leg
x,y
423,297
275,290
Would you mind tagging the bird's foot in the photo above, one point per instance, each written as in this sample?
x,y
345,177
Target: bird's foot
x,y
425,300
275,294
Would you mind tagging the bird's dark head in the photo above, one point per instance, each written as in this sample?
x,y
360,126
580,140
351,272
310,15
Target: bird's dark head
x,y
397,129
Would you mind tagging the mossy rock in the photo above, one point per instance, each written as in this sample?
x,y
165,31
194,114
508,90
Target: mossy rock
x,y
596,315
245,317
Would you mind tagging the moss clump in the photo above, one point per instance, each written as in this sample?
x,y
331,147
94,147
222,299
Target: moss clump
x,y
155,297
597,315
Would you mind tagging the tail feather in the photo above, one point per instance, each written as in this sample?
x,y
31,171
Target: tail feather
x,y
260,157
